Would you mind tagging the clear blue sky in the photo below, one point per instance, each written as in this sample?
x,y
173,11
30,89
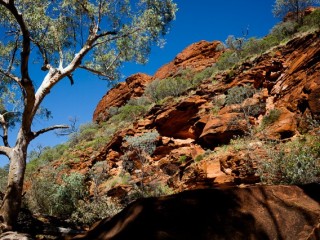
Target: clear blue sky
x,y
196,20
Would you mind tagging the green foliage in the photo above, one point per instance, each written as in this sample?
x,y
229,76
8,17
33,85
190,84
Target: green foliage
x,y
238,94
41,157
311,21
271,117
87,132
160,89
296,162
60,25
153,190
56,198
283,30
227,60
129,113
88,213
203,75
183,158
198,158
145,143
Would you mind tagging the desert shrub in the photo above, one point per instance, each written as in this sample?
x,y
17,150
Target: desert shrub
x,y
311,21
227,60
47,196
183,158
142,146
203,75
160,89
98,142
238,94
129,113
140,101
122,179
151,190
113,111
98,173
46,155
68,194
284,30
145,143
86,132
296,162
88,213
271,117
252,47
198,158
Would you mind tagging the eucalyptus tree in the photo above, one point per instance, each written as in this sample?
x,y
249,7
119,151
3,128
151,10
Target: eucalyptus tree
x,y
63,36
283,7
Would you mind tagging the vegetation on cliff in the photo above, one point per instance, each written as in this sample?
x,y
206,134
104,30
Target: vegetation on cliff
x,y
106,165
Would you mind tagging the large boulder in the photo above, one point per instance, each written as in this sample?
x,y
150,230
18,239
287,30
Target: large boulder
x,y
196,57
119,95
259,212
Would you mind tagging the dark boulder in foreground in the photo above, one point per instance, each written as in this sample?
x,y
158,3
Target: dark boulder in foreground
x,y
258,212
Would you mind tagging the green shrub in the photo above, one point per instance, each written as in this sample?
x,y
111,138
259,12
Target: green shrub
x,y
227,60
252,47
198,158
47,196
86,132
160,89
311,21
129,113
203,75
183,158
88,213
271,117
238,94
296,162
68,194
144,143
284,30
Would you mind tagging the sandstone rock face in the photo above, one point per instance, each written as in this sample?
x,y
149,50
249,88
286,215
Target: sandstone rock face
x,y
221,129
259,212
118,96
195,57
287,80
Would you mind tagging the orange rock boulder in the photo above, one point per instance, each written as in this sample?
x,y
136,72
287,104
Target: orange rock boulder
x,y
196,57
118,96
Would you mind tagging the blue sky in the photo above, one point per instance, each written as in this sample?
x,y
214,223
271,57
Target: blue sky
x,y
196,20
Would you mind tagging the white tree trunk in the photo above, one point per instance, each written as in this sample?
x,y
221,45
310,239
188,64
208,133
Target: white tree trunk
x,y
11,203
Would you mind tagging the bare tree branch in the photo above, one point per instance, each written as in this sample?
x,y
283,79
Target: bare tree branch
x,y
96,72
72,128
5,150
48,129
71,79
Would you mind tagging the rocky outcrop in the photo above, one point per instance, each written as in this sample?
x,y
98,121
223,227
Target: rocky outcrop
x,y
195,57
133,87
286,80
259,212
